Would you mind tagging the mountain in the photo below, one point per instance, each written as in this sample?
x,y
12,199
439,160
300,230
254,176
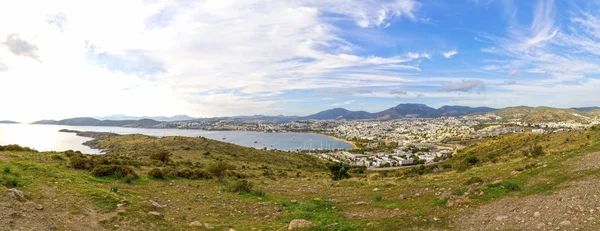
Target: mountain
x,y
87,121
340,113
541,114
157,118
462,110
586,109
408,110
8,122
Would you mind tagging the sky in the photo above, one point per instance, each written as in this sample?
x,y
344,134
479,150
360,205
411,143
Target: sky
x,y
205,58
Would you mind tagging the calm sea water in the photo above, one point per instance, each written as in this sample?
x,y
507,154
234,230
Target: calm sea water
x,y
47,137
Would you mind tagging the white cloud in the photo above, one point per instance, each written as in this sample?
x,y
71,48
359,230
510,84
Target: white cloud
x,y
342,103
165,58
449,54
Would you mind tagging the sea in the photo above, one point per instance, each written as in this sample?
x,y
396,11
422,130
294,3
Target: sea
x,y
48,137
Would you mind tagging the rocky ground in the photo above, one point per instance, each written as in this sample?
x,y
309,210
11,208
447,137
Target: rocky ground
x,y
575,207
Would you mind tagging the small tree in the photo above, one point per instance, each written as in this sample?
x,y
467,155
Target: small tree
x,y
339,171
536,151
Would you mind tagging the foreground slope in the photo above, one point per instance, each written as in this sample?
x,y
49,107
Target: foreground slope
x,y
477,189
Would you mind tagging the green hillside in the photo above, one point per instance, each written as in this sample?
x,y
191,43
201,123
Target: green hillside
x,y
542,115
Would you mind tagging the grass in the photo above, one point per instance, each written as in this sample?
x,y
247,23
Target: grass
x,y
267,203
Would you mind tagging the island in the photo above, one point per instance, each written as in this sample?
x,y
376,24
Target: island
x,y
8,122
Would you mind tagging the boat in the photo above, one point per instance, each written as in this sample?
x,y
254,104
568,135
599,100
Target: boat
x,y
224,138
255,142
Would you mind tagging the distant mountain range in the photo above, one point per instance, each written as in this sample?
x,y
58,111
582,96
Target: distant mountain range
x,y
521,113
8,122
157,118
88,121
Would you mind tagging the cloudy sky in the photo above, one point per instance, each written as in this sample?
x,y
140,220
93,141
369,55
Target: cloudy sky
x,y
204,58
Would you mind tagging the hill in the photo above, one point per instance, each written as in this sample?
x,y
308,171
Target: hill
x,y
339,113
192,183
157,118
8,122
408,110
542,115
87,121
462,110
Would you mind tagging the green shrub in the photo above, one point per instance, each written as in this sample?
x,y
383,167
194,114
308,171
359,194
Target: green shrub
x,y
259,193
118,171
219,169
6,170
378,197
128,179
193,173
241,186
162,156
536,151
11,182
57,157
81,162
474,180
472,160
156,173
339,171
511,186
114,188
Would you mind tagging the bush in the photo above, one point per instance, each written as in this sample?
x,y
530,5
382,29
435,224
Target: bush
x,y
192,173
339,171
163,156
219,169
80,162
156,173
378,197
114,188
57,157
118,171
536,151
511,186
11,182
242,186
6,170
474,180
472,160
259,193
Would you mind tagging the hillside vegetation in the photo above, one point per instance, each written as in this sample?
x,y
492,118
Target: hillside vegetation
x,y
530,115
187,183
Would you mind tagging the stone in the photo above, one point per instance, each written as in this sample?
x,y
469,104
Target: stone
x,y
446,195
294,201
565,223
156,214
536,214
436,219
39,207
375,189
360,203
196,224
401,197
156,205
15,193
208,226
450,203
501,218
300,224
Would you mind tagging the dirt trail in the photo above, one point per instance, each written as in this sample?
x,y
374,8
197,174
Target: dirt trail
x,y
576,207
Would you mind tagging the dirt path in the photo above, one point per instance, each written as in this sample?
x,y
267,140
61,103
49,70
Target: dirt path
x,y
576,207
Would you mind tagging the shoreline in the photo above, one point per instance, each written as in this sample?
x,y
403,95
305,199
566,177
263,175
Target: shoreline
x,y
352,144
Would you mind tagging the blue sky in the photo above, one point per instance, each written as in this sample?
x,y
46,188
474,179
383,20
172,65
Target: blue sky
x,y
219,58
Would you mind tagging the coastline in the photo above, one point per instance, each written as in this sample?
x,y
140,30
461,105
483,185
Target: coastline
x,y
352,144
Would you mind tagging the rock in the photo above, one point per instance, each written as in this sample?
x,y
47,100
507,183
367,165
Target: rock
x,y
401,197
196,224
39,207
231,229
156,214
418,194
501,218
497,182
156,205
514,172
360,203
565,223
450,203
436,219
208,226
294,201
335,184
15,193
471,191
446,195
536,214
300,224
375,189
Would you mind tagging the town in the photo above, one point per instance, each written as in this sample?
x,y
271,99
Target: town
x,y
394,143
